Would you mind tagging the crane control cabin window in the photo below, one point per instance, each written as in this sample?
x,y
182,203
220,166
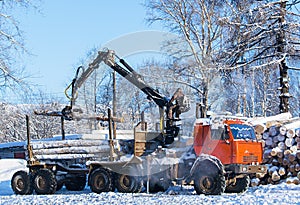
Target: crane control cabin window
x,y
240,131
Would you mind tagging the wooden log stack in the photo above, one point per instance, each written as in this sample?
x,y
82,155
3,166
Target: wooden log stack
x,y
280,136
83,149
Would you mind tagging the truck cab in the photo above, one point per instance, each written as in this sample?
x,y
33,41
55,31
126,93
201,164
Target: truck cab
x,y
233,141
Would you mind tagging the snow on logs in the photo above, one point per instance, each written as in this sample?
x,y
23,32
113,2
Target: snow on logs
x,y
280,136
70,149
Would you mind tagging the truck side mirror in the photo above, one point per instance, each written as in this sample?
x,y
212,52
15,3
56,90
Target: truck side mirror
x,y
226,134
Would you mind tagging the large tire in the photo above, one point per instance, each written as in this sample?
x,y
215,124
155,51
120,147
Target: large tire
x,y
44,181
241,185
209,184
208,176
159,182
126,183
100,180
21,183
77,183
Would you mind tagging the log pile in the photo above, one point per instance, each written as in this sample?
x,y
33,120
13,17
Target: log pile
x,y
280,136
71,149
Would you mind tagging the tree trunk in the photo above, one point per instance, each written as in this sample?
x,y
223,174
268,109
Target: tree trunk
x,y
283,68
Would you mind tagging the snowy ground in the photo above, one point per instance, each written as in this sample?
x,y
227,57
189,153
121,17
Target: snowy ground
x,y
270,194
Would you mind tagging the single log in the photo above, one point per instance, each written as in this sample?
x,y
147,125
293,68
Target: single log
x,y
287,152
281,171
273,131
290,133
282,130
275,139
269,142
66,143
292,157
292,169
73,150
275,176
280,154
289,142
265,135
281,145
260,128
285,161
281,138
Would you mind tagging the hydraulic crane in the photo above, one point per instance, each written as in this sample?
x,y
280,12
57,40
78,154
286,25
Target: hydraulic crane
x,y
169,130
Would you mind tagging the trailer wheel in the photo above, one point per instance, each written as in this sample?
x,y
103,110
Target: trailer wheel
x,y
159,182
241,185
139,185
77,183
21,183
100,180
125,183
44,181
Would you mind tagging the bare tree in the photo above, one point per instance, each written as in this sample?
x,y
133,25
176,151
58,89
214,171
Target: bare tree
x,y
197,24
11,43
265,34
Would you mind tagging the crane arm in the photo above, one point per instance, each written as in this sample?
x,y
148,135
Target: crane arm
x,y
108,57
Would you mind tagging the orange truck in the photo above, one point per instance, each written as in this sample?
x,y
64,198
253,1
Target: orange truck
x,y
233,142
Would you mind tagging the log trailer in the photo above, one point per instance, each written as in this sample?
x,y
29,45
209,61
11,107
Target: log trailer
x,y
223,155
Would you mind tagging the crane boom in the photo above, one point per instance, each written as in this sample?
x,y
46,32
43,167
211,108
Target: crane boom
x,y
108,57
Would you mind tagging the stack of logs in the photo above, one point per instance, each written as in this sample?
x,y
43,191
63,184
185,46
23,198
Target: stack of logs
x,y
280,136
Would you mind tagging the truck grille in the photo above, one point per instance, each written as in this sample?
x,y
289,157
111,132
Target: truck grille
x,y
249,159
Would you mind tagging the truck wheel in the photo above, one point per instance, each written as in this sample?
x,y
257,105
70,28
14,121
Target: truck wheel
x,y
206,183
126,183
100,180
76,184
241,185
44,182
21,183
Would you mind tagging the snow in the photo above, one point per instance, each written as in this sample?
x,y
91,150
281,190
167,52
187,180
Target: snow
x,y
270,194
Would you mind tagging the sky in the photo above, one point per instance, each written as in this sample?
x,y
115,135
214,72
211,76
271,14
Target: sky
x,y
62,33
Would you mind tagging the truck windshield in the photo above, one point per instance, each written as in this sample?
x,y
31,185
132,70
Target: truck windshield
x,y
240,131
